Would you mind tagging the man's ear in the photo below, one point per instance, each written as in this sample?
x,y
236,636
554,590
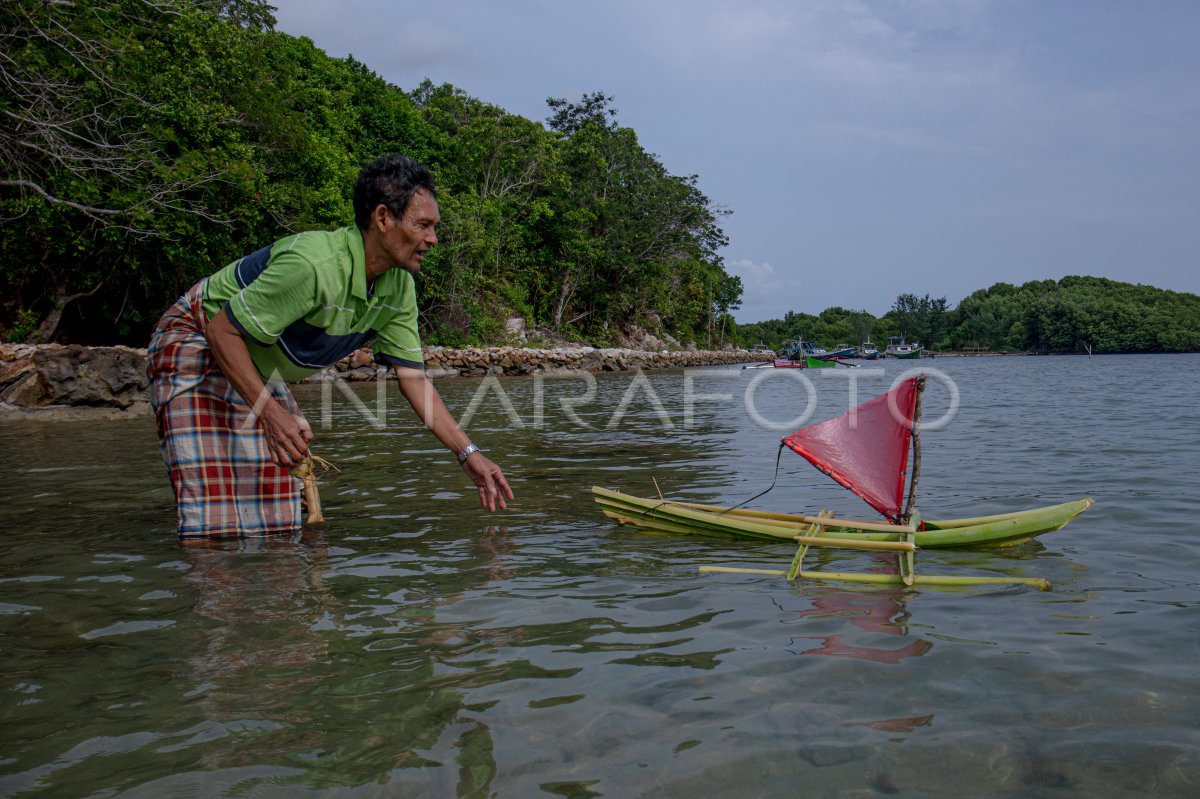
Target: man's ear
x,y
379,217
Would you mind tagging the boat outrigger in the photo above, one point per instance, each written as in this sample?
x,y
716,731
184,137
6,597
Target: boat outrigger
x,y
866,450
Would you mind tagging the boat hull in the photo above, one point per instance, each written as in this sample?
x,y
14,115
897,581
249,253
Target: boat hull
x,y
693,518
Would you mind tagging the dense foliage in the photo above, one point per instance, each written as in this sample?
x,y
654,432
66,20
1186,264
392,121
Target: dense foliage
x,y
1075,314
833,327
146,143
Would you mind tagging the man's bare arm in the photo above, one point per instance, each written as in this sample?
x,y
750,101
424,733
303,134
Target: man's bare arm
x,y
431,409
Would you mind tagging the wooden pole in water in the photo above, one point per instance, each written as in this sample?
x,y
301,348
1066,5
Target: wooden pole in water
x,y
312,498
306,470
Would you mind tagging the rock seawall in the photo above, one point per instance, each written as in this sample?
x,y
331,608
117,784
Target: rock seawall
x,y
54,376
50,377
442,362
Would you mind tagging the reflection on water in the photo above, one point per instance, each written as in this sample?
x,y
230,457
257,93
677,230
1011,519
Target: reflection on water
x,y
877,613
414,645
344,688
903,724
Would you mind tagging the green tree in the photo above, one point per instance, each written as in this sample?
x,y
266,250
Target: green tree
x,y
920,319
81,174
632,239
726,299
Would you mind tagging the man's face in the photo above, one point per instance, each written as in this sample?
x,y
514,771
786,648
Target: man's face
x,y
410,237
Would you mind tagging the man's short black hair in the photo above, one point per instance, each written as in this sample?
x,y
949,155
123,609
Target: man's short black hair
x,y
392,181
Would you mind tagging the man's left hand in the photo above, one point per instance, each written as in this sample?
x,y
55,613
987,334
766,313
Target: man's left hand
x,y
488,478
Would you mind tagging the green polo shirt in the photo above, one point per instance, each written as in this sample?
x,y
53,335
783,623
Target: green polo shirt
x,y
303,304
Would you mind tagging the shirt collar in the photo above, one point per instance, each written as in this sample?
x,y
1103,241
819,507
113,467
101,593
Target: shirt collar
x,y
358,262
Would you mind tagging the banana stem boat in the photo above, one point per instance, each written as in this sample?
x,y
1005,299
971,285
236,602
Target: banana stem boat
x,y
691,517
867,451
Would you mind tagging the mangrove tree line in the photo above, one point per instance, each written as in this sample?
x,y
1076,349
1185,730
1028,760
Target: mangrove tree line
x,y
146,143
1074,314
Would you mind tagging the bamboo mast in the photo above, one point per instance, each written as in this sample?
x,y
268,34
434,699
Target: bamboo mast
x,y
916,447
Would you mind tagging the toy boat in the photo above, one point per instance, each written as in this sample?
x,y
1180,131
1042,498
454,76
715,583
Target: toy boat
x,y
866,450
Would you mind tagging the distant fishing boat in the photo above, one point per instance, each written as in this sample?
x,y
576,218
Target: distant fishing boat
x,y
762,351
897,348
800,354
840,351
794,353
867,351
790,356
798,349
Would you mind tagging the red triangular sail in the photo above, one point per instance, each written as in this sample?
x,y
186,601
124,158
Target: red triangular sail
x,y
866,448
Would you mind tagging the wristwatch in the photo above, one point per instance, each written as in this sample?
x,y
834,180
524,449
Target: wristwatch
x,y
466,453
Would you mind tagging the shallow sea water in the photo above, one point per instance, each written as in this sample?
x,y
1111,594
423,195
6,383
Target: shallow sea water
x,y
416,646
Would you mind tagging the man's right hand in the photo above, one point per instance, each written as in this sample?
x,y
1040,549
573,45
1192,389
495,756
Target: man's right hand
x,y
287,433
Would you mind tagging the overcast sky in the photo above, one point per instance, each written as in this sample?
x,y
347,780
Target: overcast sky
x,y
866,148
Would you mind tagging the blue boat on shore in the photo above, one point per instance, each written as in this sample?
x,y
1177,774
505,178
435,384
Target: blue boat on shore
x,y
841,351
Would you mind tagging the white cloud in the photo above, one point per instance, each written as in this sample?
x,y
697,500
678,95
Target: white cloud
x,y
766,292
390,44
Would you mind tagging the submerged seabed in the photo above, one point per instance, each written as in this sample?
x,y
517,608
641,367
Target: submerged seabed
x,y
415,646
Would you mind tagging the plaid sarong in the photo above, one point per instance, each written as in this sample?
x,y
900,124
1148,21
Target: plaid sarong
x,y
225,482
